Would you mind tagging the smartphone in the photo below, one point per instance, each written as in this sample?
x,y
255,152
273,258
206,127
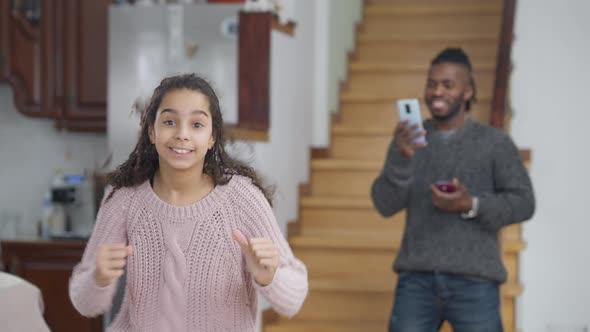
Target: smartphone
x,y
445,186
409,110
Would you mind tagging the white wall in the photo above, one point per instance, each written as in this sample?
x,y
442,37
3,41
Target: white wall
x,y
335,33
344,15
321,75
31,149
550,87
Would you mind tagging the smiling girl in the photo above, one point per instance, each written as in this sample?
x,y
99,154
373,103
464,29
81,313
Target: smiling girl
x,y
193,226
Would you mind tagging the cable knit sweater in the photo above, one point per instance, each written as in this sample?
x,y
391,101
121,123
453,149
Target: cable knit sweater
x,y
488,163
186,272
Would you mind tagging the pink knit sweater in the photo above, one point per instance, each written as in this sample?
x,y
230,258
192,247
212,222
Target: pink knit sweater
x,y
186,272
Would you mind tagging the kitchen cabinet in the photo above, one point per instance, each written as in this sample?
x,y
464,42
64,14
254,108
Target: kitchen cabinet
x,y
54,54
48,265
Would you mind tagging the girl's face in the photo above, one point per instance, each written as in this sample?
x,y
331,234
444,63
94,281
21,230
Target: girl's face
x,y
183,130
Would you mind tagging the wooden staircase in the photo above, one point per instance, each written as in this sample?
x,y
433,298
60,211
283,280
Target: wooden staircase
x,y
347,246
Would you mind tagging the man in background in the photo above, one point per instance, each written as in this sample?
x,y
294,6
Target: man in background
x,y
449,264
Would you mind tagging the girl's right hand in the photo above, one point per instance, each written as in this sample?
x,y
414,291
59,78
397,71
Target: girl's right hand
x,y
110,262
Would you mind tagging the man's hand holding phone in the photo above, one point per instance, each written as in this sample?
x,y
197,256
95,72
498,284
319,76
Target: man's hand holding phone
x,y
457,200
406,138
409,132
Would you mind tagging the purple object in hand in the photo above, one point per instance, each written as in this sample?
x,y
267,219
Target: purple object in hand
x,y
445,186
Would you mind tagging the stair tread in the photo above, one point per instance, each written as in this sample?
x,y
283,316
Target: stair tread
x,y
428,38
432,9
324,326
367,240
346,164
343,129
355,285
388,67
357,97
337,239
340,202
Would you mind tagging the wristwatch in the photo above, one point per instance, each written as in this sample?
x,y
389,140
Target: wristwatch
x,y
474,208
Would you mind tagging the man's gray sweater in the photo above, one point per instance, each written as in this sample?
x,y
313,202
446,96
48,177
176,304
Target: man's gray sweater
x,y
486,161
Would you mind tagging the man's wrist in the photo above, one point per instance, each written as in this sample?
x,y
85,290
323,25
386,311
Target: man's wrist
x,y
473,211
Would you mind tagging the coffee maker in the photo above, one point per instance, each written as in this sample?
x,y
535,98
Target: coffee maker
x,y
73,207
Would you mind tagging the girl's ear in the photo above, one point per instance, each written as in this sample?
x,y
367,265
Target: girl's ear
x,y
151,135
211,142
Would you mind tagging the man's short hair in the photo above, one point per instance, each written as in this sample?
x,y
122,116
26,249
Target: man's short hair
x,y
457,56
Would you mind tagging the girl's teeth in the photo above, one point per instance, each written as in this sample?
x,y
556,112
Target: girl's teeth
x,y
180,150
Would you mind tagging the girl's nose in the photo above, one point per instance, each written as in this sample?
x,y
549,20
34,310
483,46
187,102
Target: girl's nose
x,y
182,133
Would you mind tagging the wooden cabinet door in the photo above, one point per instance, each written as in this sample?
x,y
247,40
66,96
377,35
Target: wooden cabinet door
x,y
48,265
84,31
28,55
22,56
4,15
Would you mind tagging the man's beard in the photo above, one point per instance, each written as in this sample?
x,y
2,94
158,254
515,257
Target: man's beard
x,y
454,109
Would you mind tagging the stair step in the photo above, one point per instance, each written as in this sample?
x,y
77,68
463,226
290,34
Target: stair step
x,y
323,215
509,290
355,284
340,164
373,98
430,23
350,269
373,240
330,255
406,84
356,110
369,241
336,202
327,177
336,326
284,325
316,217
342,130
441,9
433,2
395,68
405,49
324,326
343,306
397,37
361,143
364,143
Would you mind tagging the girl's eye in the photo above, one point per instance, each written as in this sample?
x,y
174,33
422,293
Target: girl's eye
x,y
198,125
169,122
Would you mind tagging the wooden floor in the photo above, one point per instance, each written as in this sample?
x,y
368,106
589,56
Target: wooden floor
x,y
347,247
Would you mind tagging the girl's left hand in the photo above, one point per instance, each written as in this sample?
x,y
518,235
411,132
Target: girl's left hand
x,y
261,255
